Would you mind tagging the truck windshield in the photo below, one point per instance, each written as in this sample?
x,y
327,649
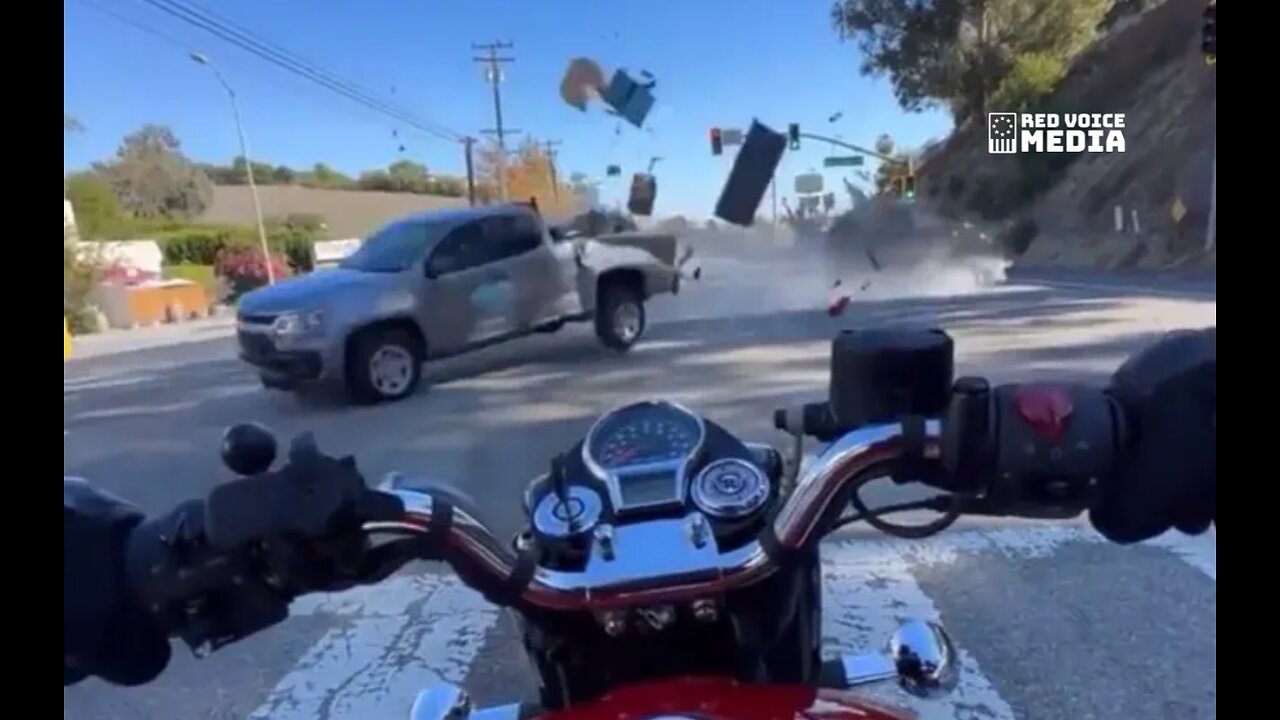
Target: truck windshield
x,y
393,248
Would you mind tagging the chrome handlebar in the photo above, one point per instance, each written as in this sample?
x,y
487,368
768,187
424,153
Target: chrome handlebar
x,y
683,566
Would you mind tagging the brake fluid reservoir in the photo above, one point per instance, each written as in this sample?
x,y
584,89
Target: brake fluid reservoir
x,y
881,375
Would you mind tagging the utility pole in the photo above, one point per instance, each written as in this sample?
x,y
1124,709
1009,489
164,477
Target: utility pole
x,y
469,145
549,147
493,74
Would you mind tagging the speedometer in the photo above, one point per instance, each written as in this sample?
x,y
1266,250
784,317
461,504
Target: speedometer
x,y
644,434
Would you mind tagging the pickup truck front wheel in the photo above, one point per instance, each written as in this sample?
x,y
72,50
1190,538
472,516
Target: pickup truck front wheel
x,y
620,318
384,365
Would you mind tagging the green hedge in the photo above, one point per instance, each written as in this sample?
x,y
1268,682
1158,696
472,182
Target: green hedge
x,y
201,244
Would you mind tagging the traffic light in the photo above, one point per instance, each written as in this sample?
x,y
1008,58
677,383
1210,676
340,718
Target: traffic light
x,y
899,186
909,186
793,136
1209,34
717,145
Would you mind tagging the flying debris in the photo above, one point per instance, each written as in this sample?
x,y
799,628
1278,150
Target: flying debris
x,y
623,95
582,81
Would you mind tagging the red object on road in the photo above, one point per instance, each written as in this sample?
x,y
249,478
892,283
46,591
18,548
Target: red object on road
x,y
722,698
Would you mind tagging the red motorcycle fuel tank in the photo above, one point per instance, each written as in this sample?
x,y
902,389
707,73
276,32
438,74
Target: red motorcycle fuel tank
x,y
720,698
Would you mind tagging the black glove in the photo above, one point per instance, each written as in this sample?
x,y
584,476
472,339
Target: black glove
x,y
104,634
1168,476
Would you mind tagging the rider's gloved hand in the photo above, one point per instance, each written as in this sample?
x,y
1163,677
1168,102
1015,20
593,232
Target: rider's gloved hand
x,y
104,633
1168,476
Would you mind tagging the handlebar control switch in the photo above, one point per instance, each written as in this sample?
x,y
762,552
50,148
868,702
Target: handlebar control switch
x,y
883,375
1054,444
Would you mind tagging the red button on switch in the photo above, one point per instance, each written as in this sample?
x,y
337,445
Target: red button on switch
x,y
1046,408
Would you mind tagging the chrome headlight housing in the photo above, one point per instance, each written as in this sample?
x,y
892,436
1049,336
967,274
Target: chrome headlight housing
x,y
298,324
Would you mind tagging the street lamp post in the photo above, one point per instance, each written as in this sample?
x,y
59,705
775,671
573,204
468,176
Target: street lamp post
x,y
248,164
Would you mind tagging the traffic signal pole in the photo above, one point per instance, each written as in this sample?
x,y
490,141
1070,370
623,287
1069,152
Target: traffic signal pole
x,y
855,148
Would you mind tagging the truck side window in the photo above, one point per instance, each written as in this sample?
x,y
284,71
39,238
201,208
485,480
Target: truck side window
x,y
462,248
508,236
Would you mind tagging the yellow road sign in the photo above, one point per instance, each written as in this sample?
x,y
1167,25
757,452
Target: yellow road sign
x,y
1178,210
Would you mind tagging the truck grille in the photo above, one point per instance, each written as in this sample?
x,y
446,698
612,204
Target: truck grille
x,y
255,344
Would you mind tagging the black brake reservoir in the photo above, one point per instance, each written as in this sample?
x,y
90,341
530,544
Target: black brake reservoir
x,y
884,375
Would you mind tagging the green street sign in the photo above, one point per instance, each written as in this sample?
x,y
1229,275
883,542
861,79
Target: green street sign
x,y
845,161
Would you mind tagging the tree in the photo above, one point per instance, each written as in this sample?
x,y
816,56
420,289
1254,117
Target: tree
x,y
377,180
528,175
97,209
152,178
263,173
955,53
323,176
408,176
283,175
70,124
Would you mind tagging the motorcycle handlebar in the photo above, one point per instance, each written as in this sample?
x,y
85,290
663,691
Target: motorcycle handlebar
x,y
1015,450
510,579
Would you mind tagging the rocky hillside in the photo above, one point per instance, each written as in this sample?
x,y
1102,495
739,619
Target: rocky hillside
x,y
1148,66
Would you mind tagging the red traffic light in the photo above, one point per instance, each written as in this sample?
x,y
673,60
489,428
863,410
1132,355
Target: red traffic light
x,y
717,146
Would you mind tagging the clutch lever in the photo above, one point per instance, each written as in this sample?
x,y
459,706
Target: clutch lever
x,y
314,496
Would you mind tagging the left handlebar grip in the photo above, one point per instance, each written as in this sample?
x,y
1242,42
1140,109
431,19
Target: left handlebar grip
x,y
206,596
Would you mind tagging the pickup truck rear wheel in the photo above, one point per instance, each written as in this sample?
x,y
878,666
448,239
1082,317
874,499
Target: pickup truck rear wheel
x,y
385,365
620,317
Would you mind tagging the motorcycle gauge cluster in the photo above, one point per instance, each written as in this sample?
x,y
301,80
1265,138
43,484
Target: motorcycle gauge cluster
x,y
730,489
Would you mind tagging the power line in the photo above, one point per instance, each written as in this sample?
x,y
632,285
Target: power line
x,y
245,33
286,60
185,46
135,24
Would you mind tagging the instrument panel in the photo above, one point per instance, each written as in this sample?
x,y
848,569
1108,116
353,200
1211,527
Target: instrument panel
x,y
642,453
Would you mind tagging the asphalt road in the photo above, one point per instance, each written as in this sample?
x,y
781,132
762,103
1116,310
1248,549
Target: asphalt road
x,y
1053,623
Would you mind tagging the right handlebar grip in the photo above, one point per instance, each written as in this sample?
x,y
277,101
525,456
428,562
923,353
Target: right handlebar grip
x,y
1031,447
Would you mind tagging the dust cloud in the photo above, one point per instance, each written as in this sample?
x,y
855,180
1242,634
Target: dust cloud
x,y
754,271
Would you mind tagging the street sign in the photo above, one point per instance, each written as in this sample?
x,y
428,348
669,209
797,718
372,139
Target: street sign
x,y
842,161
1178,211
808,184
731,136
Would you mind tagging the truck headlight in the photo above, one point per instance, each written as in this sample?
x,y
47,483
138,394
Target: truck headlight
x,y
298,324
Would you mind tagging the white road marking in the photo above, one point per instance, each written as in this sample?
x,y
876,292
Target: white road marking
x,y
388,642
868,589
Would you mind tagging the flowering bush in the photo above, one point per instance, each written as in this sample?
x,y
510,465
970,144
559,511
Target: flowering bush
x,y
245,270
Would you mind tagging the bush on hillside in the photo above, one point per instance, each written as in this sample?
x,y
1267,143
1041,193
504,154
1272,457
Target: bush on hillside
x,y
79,277
1031,79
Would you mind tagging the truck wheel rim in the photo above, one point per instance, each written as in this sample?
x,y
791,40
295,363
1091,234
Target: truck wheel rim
x,y
390,369
626,321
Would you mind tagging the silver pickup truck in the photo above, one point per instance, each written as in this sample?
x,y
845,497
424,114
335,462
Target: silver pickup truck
x,y
443,283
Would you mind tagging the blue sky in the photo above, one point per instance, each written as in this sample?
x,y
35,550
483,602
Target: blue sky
x,y
717,64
